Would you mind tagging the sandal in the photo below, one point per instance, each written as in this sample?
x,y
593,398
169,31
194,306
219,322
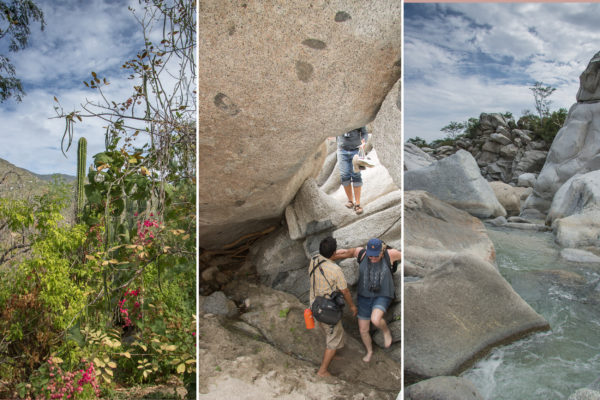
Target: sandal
x,y
358,209
349,204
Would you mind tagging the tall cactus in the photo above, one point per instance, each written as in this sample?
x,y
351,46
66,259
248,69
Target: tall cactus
x,y
81,156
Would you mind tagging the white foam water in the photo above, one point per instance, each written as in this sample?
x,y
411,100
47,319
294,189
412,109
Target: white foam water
x,y
546,365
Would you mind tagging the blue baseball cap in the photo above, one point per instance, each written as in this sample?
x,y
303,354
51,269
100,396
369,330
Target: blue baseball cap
x,y
374,247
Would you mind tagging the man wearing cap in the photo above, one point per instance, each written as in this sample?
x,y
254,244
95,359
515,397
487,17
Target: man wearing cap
x,y
375,289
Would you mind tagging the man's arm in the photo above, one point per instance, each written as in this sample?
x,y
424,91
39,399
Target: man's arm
x,y
395,255
345,253
349,301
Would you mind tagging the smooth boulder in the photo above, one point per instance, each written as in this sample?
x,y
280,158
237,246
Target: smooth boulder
x,y
387,134
457,181
457,313
510,196
576,147
415,158
580,194
436,231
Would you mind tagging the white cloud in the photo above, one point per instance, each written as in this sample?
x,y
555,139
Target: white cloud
x,y
464,59
79,37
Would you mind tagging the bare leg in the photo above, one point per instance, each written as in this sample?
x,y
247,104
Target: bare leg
x,y
379,322
363,327
327,357
348,190
357,194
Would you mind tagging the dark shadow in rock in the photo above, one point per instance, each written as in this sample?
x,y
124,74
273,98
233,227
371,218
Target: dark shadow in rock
x,y
342,16
304,71
224,103
314,44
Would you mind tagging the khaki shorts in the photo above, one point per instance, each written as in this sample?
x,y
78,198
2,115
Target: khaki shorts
x,y
334,335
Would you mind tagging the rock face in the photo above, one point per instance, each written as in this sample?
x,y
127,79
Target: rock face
x,y
576,147
578,230
510,197
275,80
435,232
415,158
579,195
456,313
575,211
526,180
589,81
457,181
443,388
387,134
236,361
218,304
274,313
502,149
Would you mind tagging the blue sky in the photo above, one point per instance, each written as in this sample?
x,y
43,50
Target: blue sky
x,y
464,59
80,37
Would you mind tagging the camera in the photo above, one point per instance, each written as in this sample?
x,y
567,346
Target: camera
x,y
374,287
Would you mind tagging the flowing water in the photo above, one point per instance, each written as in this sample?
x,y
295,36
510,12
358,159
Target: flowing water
x,y
554,364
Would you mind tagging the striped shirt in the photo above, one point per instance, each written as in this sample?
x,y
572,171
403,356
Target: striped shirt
x,y
318,284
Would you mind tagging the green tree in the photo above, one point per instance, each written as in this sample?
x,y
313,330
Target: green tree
x,y
417,141
472,128
540,95
15,18
453,129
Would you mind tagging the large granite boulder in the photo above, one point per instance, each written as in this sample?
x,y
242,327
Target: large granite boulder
x,y
589,81
454,315
457,181
443,388
576,147
575,211
415,158
281,262
275,81
387,135
435,232
578,230
578,195
510,196
529,161
526,180
278,316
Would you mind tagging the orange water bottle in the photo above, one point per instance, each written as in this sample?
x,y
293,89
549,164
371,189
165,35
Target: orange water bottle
x,y
308,319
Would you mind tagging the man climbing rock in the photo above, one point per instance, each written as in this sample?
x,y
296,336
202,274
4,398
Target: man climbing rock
x,y
375,288
326,277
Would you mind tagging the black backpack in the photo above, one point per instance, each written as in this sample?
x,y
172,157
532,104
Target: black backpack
x,y
386,255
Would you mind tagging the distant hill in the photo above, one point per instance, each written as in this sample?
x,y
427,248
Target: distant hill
x,y
20,183
50,177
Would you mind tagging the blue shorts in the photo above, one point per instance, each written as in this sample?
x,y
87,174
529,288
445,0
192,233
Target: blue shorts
x,y
347,174
366,305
